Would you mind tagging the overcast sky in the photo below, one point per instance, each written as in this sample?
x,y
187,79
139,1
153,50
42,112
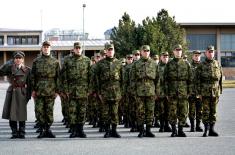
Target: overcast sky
x,y
101,15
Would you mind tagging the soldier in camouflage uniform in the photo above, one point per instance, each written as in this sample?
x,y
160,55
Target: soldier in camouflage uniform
x,y
209,78
126,91
177,77
195,105
109,79
162,103
45,80
76,71
146,76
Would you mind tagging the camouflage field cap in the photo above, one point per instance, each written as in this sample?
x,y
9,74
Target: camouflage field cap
x,y
102,52
165,53
145,47
178,47
19,54
155,57
77,44
196,52
109,46
46,43
135,52
129,56
210,48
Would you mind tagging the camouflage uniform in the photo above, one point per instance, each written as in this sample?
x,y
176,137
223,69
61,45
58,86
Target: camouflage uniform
x,y
145,73
209,81
177,77
195,105
76,70
45,80
109,79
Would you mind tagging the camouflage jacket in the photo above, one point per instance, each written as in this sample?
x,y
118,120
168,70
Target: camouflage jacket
x,y
92,81
75,71
209,78
178,78
194,66
160,84
145,76
45,75
126,79
109,78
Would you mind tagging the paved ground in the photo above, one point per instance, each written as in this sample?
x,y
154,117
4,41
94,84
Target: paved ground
x,y
128,144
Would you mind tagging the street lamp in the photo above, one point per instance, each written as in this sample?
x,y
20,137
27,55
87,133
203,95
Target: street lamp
x,y
84,5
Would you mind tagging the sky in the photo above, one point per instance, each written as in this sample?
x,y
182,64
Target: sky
x,y
100,15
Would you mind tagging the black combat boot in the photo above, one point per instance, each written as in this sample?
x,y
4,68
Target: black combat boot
x,y
102,127
74,131
107,131
49,133
181,132
148,132
133,127
80,131
156,123
114,132
162,124
167,127
186,125
174,130
206,126
13,125
42,133
212,131
141,133
22,129
37,125
192,125
198,127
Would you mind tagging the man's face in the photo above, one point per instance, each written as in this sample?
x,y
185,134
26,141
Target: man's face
x,y
97,58
77,50
110,52
145,53
177,53
129,60
46,50
210,54
164,58
18,60
136,56
197,57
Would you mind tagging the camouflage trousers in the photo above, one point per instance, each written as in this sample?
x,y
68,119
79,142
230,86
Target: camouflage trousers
x,y
77,110
145,109
110,112
44,106
65,107
195,108
209,109
178,109
100,107
132,109
157,110
163,108
92,111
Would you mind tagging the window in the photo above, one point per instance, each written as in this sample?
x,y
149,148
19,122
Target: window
x,y
200,41
227,42
228,59
1,40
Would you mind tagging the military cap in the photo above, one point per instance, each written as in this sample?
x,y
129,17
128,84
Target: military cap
x,y
108,46
102,52
145,47
46,43
135,51
178,46
129,56
210,48
77,44
19,54
196,52
164,53
155,57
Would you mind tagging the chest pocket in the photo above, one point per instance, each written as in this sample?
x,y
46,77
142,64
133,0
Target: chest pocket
x,y
151,70
172,72
216,71
50,69
182,71
115,71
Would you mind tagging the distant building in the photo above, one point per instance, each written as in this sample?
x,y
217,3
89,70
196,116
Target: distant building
x,y
107,34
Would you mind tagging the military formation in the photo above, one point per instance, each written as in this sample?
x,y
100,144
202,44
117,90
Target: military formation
x,y
138,91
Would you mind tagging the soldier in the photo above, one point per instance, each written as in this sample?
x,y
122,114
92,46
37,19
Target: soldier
x,y
45,86
76,70
162,102
195,105
156,58
146,76
18,94
109,79
209,78
177,77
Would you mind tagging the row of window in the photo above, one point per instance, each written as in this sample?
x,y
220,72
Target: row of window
x,y
20,40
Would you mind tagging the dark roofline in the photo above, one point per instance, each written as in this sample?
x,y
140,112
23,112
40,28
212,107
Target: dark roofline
x,y
18,30
207,24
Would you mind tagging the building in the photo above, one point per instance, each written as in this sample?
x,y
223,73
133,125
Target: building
x,y
221,35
